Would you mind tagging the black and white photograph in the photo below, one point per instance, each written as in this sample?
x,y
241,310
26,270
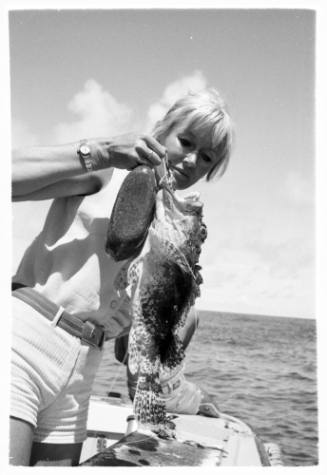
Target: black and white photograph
x,y
163,241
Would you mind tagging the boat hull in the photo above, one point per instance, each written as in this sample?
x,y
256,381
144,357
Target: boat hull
x,y
223,441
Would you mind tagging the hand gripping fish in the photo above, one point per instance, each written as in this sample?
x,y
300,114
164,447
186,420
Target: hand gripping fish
x,y
163,282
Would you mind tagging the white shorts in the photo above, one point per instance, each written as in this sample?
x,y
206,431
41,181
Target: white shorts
x,y
52,373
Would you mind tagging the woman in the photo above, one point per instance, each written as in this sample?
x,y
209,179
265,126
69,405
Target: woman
x,y
69,298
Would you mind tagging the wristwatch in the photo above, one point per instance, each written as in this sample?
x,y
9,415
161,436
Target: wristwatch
x,y
84,152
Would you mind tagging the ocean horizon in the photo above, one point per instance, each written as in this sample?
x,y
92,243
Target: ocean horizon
x,y
261,368
228,312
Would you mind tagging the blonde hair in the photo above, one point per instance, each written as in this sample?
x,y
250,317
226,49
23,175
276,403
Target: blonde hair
x,y
205,113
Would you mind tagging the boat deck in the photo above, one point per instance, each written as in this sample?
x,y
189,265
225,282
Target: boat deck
x,y
225,441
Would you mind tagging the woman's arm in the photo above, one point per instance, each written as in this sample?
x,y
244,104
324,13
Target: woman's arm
x,y
37,167
77,185
186,332
34,169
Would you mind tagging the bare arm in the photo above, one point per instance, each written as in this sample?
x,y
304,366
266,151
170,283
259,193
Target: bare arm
x,y
86,184
186,332
36,167
44,171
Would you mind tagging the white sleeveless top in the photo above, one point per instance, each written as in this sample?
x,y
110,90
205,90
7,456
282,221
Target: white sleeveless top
x,y
67,262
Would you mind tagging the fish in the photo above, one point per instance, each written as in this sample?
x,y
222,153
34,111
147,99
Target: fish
x,y
163,282
161,240
139,450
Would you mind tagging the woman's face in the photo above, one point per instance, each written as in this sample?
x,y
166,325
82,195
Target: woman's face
x,y
189,156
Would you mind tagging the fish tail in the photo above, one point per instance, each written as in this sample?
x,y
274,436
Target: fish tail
x,y
150,413
149,409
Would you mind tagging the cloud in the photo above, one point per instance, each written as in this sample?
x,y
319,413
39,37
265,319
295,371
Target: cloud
x,y
194,82
242,278
98,114
21,135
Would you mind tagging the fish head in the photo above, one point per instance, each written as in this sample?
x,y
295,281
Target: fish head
x,y
182,217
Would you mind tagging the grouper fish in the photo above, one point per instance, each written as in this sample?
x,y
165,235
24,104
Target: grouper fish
x,y
163,279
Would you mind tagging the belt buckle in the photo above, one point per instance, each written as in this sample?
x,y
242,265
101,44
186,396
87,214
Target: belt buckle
x,y
92,334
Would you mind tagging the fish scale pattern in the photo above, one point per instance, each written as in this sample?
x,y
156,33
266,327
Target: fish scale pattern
x,y
164,283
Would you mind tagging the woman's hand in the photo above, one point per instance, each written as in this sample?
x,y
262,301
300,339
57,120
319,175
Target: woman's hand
x,y
45,172
126,151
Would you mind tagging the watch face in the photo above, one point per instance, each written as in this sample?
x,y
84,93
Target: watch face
x,y
84,149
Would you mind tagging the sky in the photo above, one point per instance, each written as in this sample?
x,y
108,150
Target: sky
x,y
77,74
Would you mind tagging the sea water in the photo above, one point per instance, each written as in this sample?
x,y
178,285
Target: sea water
x,y
261,369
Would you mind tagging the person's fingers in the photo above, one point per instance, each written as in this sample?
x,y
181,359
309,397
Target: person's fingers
x,y
128,151
154,145
146,154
